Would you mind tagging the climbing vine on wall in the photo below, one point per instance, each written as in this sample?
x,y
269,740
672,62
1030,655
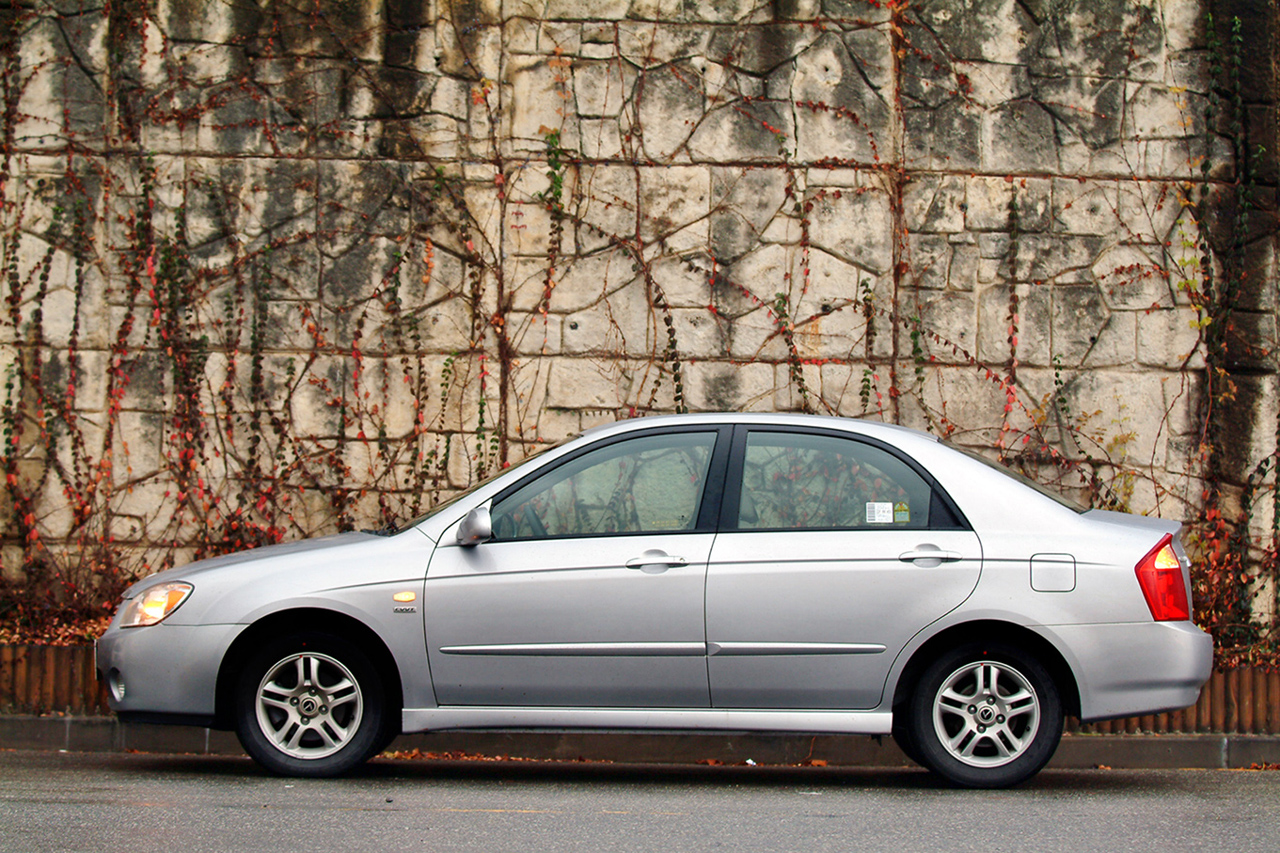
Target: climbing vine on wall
x,y
272,270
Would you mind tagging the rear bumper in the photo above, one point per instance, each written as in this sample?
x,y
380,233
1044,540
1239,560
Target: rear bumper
x,y
1136,668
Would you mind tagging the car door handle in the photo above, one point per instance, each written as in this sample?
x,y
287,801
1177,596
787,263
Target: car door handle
x,y
653,562
929,557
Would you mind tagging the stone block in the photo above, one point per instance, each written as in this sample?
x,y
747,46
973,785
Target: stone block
x,y
755,336
1089,207
1019,137
991,30
601,139
583,280
766,272
740,132
526,282
1055,258
1034,326
934,204
141,446
1080,320
607,212
1002,203
948,325
555,425
621,323
578,383
743,202
725,387
836,333
529,230
644,45
1170,338
964,396
672,200
699,333
535,334
1090,110
671,104
602,88
474,53
1159,111
854,226
947,137
828,284
1133,277
684,280
541,92
849,120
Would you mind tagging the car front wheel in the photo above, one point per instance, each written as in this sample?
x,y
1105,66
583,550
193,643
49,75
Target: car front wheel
x,y
310,705
985,716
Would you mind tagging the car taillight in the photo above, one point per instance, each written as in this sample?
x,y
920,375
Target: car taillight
x,y
1160,576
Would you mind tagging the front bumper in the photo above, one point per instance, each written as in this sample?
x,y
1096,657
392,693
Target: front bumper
x,y
1128,669
163,670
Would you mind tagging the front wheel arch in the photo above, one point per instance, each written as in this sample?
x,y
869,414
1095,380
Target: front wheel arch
x,y
303,620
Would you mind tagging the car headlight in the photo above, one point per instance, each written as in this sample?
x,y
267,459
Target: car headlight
x,y
154,604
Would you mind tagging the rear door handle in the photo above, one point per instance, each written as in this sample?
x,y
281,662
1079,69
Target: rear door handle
x,y
928,557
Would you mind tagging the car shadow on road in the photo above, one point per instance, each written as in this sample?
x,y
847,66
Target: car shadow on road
x,y
603,772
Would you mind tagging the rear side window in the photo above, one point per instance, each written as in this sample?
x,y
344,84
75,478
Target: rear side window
x,y
797,481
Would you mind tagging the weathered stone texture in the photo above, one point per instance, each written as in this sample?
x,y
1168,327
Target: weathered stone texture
x,y
417,237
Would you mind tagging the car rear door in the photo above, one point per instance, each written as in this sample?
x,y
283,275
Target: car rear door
x,y
834,551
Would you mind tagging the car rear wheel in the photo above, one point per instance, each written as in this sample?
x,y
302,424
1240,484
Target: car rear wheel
x,y
310,705
985,716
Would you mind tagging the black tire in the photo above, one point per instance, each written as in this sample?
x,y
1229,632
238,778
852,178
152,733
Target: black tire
x,y
310,705
902,736
985,716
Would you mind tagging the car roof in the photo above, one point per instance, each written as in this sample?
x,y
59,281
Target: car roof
x,y
859,426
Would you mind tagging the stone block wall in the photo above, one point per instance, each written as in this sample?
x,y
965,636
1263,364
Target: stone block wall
x,y
277,268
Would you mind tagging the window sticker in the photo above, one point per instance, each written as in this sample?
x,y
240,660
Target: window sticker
x,y
879,512
901,513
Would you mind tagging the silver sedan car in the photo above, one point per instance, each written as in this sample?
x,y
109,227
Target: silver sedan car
x,y
739,572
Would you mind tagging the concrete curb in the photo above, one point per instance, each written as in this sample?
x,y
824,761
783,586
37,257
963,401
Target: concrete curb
x,y
107,734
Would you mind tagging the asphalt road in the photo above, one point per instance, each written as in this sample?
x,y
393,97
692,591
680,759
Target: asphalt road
x,y
181,804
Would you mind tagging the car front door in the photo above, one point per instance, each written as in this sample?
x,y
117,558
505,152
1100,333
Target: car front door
x,y
590,593
834,551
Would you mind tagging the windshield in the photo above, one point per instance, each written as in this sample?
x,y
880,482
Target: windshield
x,y
450,501
1058,497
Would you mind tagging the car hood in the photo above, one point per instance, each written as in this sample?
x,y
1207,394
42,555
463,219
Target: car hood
x,y
192,571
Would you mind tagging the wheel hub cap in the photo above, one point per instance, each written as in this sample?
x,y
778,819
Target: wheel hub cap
x,y
986,714
309,705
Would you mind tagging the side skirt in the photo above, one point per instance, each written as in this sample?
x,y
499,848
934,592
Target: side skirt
x,y
692,719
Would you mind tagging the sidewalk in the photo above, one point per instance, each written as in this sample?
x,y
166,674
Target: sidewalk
x,y
106,734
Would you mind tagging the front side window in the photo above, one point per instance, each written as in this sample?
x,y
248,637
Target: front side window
x,y
796,481
640,485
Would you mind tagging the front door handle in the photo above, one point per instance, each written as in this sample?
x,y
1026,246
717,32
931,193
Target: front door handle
x,y
655,562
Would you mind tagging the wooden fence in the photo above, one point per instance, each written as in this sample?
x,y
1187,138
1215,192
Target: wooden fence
x,y
50,680
61,680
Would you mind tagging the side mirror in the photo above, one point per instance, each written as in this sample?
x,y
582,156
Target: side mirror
x,y
476,527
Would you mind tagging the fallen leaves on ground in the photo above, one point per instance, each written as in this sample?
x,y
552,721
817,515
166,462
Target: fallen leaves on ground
x,y
459,755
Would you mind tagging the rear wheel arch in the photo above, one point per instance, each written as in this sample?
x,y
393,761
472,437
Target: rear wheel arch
x,y
304,620
990,631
